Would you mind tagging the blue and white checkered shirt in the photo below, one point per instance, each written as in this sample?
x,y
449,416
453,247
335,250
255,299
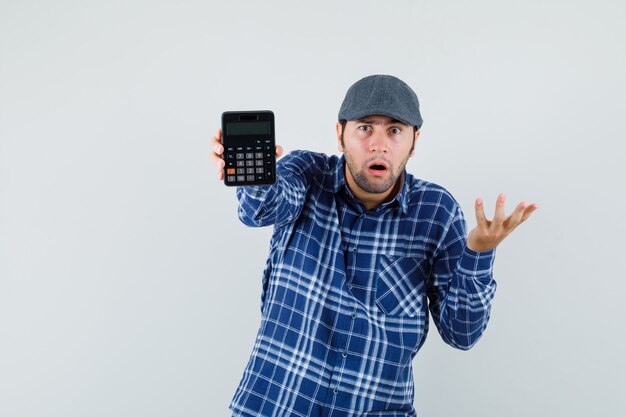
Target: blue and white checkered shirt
x,y
346,292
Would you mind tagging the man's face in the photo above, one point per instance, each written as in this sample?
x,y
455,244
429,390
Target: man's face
x,y
377,149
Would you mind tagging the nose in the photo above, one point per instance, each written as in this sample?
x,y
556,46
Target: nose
x,y
378,142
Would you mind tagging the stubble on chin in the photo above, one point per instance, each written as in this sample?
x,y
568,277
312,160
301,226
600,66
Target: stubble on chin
x,y
360,178
369,186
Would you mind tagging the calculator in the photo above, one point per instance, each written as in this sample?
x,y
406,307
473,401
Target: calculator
x,y
249,147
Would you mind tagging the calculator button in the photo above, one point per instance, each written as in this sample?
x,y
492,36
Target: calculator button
x,y
259,170
241,178
241,170
258,155
241,163
230,171
250,178
230,164
230,178
249,155
258,162
239,156
249,170
250,163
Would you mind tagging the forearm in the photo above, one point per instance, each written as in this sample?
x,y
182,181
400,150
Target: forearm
x,y
463,306
265,205
278,203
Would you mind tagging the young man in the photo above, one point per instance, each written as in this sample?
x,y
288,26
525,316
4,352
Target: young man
x,y
361,251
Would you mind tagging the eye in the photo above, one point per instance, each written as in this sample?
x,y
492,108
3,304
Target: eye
x,y
363,128
395,130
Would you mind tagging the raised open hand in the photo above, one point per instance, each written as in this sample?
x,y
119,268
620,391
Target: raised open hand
x,y
489,233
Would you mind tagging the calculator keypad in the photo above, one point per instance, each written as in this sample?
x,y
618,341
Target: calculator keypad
x,y
252,164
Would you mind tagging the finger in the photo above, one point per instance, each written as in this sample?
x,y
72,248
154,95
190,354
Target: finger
x,y
215,157
218,148
217,139
216,143
279,151
217,162
528,211
220,175
481,220
498,218
515,218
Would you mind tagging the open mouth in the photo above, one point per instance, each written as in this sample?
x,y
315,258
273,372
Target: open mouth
x,y
378,168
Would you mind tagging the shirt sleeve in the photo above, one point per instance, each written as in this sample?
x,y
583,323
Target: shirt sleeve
x,y
281,202
461,287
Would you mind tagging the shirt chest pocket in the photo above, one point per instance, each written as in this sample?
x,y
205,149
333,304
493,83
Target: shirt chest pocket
x,y
401,285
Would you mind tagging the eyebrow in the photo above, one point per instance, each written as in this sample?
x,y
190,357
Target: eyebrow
x,y
372,122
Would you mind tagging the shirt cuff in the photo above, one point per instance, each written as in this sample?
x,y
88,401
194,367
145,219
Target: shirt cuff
x,y
254,191
476,263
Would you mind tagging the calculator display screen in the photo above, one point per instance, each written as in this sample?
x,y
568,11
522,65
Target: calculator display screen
x,y
249,128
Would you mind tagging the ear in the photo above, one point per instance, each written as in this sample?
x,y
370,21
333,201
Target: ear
x,y
339,144
417,135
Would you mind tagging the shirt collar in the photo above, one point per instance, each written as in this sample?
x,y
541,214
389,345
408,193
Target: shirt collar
x,y
401,199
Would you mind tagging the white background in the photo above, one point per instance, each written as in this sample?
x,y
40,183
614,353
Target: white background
x,y
129,288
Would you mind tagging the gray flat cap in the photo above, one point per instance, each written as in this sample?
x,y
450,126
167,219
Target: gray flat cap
x,y
381,94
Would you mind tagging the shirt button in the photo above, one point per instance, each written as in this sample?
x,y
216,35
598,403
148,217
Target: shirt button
x,y
344,354
349,286
354,250
353,315
335,391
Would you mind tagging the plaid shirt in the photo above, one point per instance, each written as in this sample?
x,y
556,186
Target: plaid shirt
x,y
346,292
